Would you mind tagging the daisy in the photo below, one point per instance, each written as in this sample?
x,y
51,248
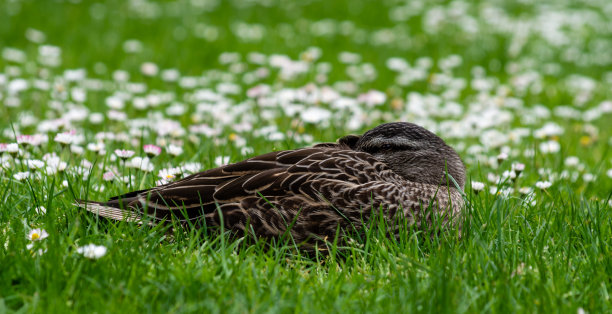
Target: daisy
x,y
518,168
20,176
174,150
37,234
109,176
543,185
65,138
124,153
12,148
477,186
152,150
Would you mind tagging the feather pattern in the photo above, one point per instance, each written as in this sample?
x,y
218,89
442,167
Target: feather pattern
x,y
311,192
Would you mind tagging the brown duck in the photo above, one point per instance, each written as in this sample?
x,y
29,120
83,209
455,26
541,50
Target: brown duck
x,y
312,192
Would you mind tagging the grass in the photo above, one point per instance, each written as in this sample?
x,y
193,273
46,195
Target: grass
x,y
546,251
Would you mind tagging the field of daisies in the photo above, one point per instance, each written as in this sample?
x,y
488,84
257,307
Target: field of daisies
x,y
101,98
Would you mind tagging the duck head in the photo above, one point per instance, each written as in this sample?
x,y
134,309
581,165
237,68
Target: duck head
x,y
411,151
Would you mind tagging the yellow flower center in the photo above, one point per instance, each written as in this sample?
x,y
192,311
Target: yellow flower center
x,y
35,236
233,137
585,140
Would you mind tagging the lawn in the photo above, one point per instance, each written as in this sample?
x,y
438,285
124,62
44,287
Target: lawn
x,y
521,89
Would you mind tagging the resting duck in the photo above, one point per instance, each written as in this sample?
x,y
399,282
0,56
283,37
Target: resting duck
x,y
311,192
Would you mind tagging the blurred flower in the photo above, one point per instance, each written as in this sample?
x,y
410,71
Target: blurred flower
x,y
518,168
550,147
543,185
174,150
37,234
12,148
20,176
315,115
33,140
141,163
41,210
92,251
149,69
572,161
477,186
152,150
124,153
222,160
109,176
65,138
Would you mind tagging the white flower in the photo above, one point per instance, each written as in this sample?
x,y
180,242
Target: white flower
x,y
501,157
373,98
542,185
65,138
124,153
12,148
609,173
141,163
222,160
174,150
92,251
109,176
315,115
152,150
96,147
149,69
477,186
572,161
33,140
20,176
588,177
37,234
518,167
549,147
41,210
96,118
34,164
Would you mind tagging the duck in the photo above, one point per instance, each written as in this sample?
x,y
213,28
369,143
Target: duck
x,y
397,169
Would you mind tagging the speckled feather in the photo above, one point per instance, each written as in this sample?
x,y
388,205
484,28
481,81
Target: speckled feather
x,y
309,191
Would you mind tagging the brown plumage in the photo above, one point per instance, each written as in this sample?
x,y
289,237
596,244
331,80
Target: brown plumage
x,y
312,192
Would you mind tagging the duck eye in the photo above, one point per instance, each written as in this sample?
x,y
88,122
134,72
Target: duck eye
x,y
385,146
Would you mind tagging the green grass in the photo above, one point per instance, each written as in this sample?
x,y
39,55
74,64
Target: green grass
x,y
550,251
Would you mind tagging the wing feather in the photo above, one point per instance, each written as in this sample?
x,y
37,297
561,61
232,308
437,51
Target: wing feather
x,y
314,190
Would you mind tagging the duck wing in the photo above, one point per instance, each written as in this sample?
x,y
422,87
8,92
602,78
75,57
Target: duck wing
x,y
309,192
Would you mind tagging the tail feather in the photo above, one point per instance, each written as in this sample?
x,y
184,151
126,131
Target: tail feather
x,y
114,213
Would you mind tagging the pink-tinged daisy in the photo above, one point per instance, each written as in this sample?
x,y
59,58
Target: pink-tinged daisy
x,y
3,147
518,168
152,150
109,176
124,153
37,234
28,140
